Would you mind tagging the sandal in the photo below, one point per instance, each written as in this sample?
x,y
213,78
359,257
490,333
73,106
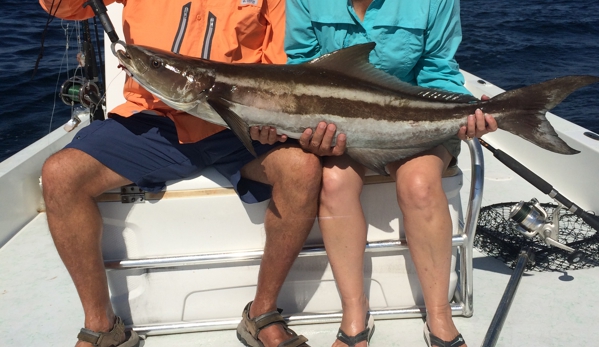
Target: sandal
x,y
112,338
432,340
364,335
249,328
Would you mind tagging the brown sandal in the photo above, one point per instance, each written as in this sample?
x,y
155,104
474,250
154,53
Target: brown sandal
x,y
112,338
249,328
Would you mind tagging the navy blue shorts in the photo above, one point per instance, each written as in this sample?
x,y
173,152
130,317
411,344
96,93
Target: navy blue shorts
x,y
144,148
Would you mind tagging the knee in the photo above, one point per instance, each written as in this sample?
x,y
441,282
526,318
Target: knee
x,y
419,193
54,173
68,172
338,186
305,169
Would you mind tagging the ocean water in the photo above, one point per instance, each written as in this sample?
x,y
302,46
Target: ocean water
x,y
509,43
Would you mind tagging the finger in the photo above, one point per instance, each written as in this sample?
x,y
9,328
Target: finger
x,y
272,136
281,138
462,132
255,133
481,125
485,97
328,137
471,131
318,135
304,139
264,134
340,145
491,122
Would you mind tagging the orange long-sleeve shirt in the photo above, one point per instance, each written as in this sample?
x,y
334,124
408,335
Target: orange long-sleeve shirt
x,y
234,31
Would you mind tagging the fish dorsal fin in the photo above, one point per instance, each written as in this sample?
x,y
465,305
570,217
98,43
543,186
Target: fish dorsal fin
x,y
353,61
234,122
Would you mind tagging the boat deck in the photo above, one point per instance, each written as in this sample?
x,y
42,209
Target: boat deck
x,y
39,305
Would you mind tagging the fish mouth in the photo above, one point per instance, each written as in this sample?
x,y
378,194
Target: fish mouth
x,y
124,68
126,62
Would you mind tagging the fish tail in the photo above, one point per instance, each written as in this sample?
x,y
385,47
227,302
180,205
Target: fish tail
x,y
523,110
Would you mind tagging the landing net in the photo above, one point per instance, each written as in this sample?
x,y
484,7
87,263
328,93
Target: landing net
x,y
497,236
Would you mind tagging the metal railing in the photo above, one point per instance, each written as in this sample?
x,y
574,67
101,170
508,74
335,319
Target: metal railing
x,y
463,297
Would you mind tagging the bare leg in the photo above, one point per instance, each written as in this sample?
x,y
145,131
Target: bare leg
x,y
71,179
428,230
343,229
295,178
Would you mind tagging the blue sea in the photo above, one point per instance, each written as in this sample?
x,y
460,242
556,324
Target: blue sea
x,y
510,43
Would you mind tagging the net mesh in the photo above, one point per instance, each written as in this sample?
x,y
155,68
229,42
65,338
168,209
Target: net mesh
x,y
497,236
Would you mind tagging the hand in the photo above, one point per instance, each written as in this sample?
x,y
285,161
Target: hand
x,y
266,135
320,141
478,124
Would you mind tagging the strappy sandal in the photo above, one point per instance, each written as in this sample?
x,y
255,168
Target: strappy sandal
x,y
364,335
432,340
249,328
112,338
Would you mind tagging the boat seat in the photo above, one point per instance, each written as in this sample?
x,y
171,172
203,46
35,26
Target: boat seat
x,y
187,258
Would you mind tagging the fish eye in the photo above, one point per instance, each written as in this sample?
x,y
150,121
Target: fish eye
x,y
155,63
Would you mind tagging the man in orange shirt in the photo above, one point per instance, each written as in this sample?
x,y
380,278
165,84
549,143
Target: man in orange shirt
x,y
147,143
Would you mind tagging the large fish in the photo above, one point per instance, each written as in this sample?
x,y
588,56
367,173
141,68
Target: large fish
x,y
384,118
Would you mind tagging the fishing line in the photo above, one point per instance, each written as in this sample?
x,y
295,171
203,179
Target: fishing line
x,y
75,120
113,79
108,86
99,48
65,61
51,15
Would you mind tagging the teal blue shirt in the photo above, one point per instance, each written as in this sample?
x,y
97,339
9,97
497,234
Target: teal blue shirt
x,y
416,40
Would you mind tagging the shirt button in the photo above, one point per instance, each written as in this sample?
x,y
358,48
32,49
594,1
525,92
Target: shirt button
x,y
199,18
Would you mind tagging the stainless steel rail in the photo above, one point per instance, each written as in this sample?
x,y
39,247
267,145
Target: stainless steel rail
x,y
246,255
466,286
223,324
463,299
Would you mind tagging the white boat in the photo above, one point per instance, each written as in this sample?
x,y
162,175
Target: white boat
x,y
182,264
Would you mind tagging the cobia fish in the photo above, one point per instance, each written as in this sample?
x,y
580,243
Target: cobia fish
x,y
384,118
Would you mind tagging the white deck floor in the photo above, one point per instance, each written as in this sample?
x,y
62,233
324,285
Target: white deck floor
x,y
39,305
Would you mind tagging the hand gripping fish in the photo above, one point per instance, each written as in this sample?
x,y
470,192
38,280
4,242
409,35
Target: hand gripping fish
x,y
384,118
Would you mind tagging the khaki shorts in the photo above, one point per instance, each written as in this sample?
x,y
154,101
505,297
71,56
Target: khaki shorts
x,y
453,146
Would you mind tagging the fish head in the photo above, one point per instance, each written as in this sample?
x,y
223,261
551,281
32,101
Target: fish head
x,y
175,79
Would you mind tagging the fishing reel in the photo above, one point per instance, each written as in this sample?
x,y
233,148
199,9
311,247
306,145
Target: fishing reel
x,y
82,95
533,220
79,90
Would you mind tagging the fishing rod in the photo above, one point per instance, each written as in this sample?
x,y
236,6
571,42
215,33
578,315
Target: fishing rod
x,y
100,11
525,258
533,220
542,185
84,89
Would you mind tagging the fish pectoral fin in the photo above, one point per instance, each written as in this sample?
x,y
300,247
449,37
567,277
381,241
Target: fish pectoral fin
x,y
377,159
239,127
